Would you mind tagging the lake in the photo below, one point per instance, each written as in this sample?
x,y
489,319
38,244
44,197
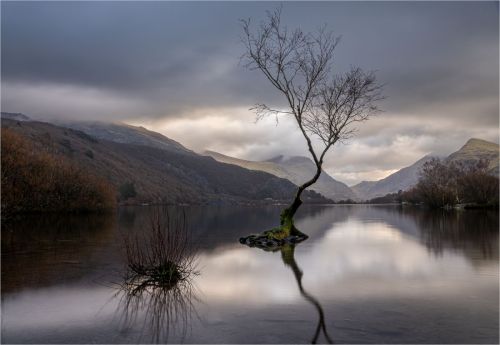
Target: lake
x,y
367,274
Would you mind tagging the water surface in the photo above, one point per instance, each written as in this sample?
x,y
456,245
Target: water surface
x,y
367,274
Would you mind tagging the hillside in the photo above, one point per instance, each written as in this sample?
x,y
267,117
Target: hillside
x,y
127,134
15,116
402,179
158,175
475,150
362,189
295,169
38,181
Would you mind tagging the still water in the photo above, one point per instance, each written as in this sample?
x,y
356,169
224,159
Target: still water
x,y
367,274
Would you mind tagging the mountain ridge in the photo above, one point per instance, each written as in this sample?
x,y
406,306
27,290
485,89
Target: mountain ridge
x,y
159,175
297,169
470,153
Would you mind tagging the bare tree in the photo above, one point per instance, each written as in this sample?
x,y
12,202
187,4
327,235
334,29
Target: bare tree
x,y
324,105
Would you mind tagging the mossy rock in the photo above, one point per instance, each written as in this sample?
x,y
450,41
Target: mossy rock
x,y
274,239
277,237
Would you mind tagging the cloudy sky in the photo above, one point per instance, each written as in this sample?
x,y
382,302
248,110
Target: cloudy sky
x,y
174,68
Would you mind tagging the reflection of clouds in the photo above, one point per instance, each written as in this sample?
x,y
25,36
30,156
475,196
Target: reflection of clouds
x,y
353,261
52,307
374,249
353,258
245,273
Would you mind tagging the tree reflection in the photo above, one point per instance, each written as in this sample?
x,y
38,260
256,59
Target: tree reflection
x,y
288,257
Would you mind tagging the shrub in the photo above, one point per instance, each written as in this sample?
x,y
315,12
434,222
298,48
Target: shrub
x,y
162,256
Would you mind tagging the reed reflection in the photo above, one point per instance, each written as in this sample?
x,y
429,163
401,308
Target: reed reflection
x,y
157,285
158,311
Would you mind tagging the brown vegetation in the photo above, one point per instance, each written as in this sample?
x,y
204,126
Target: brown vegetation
x,y
34,180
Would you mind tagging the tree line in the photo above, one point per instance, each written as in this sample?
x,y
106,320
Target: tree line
x,y
445,184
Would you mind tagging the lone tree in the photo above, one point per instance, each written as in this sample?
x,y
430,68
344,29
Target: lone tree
x,y
324,105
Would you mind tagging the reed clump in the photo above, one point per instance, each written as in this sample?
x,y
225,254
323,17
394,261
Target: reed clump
x,y
162,255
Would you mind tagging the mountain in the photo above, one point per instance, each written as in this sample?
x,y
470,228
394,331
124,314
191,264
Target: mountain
x,y
475,150
295,169
362,189
171,174
14,116
127,134
400,180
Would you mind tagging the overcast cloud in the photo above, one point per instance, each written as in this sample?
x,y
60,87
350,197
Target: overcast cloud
x,y
173,67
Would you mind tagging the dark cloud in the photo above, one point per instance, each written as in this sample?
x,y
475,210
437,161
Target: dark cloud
x,y
172,61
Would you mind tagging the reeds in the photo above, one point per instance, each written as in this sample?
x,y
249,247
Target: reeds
x,y
159,312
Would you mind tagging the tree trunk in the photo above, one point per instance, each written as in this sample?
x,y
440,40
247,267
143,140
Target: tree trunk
x,y
288,213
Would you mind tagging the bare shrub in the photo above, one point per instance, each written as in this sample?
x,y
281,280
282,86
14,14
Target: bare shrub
x,y
163,255
158,280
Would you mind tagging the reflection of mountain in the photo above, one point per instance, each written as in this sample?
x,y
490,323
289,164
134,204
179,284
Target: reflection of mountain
x,y
38,251
217,226
373,269
475,233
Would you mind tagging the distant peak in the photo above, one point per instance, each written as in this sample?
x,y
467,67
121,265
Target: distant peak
x,y
212,153
14,116
282,159
473,141
299,159
276,159
479,143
